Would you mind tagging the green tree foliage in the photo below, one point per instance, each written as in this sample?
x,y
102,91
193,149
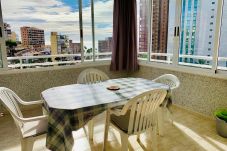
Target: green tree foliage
x,y
11,47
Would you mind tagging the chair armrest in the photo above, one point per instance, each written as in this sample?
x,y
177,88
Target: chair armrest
x,y
116,112
31,102
36,118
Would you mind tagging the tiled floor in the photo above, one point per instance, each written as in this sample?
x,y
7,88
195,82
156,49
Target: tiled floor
x,y
189,132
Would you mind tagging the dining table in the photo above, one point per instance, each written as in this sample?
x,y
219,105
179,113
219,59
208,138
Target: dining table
x,y
70,107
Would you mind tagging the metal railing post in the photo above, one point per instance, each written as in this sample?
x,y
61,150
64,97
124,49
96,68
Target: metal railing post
x,y
217,35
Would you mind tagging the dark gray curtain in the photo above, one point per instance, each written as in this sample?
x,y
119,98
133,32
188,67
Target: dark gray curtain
x,y
124,49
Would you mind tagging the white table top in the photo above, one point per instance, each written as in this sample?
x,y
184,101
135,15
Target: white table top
x,y
76,96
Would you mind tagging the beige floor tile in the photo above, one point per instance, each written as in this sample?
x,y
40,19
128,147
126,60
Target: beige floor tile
x,y
189,132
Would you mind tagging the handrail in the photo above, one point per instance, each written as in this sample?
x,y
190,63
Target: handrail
x,y
43,64
105,56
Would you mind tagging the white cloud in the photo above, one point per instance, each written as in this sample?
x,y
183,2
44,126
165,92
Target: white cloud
x,y
54,15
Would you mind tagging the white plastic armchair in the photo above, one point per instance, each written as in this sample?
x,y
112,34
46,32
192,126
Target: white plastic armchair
x,y
169,79
29,128
173,82
136,117
91,76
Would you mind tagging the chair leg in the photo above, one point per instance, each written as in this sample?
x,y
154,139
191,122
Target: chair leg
x,y
124,142
138,137
169,115
160,121
45,112
91,129
27,144
154,138
107,124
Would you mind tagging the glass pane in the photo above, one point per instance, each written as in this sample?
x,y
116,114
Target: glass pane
x,y
222,63
143,25
197,32
103,17
35,30
87,30
160,30
171,25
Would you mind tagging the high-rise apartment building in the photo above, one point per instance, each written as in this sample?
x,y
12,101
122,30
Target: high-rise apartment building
x,y
160,18
105,45
189,30
197,29
32,38
143,27
59,44
160,26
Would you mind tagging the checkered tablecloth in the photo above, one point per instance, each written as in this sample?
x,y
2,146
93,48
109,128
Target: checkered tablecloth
x,y
71,107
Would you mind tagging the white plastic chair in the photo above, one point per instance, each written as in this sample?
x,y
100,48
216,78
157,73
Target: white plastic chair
x,y
137,116
29,128
91,76
173,82
169,79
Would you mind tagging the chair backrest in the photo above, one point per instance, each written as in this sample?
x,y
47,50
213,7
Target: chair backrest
x,y
10,99
91,75
171,80
143,110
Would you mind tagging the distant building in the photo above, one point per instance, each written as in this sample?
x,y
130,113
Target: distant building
x,y
159,27
14,36
143,30
7,31
59,44
197,29
32,38
74,47
105,45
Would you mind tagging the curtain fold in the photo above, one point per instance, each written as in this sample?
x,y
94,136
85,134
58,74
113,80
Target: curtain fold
x,y
124,45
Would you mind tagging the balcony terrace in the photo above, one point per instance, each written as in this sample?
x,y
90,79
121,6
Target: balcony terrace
x,y
96,57
194,102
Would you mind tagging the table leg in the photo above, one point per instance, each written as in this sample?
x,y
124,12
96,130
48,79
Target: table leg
x,y
106,129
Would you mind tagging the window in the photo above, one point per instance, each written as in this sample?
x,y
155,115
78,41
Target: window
x,y
143,28
222,60
103,25
156,32
195,33
87,30
57,32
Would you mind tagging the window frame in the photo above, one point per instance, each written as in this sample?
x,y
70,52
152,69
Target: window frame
x,y
174,66
2,44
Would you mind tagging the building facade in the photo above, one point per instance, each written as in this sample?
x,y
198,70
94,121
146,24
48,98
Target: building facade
x,y
160,18
105,45
74,48
32,38
143,26
197,29
7,31
59,44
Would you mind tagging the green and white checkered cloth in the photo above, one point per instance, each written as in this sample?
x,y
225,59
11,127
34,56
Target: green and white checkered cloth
x,y
71,107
